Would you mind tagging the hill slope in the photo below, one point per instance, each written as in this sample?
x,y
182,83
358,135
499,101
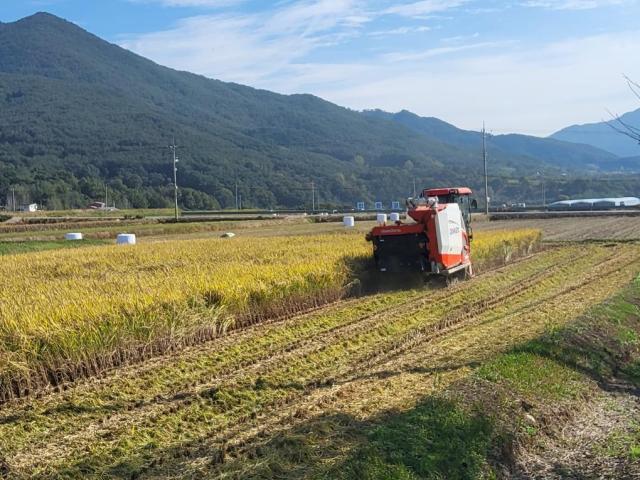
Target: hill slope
x,y
77,112
603,136
561,154
74,104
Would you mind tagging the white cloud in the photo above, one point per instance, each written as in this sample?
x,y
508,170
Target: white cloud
x,y
398,31
424,7
573,4
460,38
531,87
536,90
437,51
193,3
253,47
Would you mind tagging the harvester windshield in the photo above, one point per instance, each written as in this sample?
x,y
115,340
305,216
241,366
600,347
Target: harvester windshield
x,y
461,196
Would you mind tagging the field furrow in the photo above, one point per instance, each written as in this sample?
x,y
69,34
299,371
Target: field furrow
x,y
404,379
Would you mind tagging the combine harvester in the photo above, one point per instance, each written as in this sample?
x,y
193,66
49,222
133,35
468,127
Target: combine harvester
x,y
437,243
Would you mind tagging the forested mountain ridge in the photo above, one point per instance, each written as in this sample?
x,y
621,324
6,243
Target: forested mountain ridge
x,y
78,112
565,155
603,136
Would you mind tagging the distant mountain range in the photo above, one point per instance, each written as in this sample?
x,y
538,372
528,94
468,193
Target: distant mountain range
x,y
602,136
560,154
78,113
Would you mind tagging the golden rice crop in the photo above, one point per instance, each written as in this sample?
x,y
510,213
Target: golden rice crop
x,y
73,313
497,247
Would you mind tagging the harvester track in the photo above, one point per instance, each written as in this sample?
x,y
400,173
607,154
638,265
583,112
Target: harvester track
x,y
456,320
326,392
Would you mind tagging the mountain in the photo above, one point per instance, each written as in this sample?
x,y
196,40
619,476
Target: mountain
x,y
563,155
78,113
602,136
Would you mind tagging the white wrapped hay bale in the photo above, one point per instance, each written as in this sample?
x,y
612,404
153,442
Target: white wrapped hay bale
x,y
382,218
394,217
126,239
349,222
73,236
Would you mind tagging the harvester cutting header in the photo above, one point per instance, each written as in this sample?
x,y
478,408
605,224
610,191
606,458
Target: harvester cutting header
x,y
438,242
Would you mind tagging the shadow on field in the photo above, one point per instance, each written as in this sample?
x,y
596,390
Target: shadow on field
x,y
436,439
605,347
370,281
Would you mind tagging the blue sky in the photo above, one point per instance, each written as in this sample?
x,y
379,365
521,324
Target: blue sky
x,y
530,66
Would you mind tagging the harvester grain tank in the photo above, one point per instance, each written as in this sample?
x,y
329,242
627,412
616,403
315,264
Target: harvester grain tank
x,y
437,242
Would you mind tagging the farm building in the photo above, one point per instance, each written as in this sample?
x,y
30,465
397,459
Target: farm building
x,y
595,203
31,207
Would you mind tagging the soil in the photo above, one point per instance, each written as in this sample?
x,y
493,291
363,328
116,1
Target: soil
x,y
591,445
573,229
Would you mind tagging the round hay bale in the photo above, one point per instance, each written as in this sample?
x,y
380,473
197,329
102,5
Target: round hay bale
x,y
126,239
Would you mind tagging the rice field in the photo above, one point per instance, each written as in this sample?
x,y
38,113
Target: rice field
x,y
76,313
289,398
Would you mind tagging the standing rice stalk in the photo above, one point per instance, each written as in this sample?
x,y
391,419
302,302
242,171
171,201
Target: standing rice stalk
x,y
70,314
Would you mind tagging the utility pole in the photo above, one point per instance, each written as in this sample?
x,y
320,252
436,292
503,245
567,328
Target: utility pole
x,y
237,204
313,197
544,192
106,197
173,148
13,199
414,187
486,178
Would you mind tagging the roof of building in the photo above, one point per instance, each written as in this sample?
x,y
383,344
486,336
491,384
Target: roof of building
x,y
435,192
627,201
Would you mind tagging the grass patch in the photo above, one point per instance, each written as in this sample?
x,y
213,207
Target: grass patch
x,y
9,248
534,376
622,444
436,440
